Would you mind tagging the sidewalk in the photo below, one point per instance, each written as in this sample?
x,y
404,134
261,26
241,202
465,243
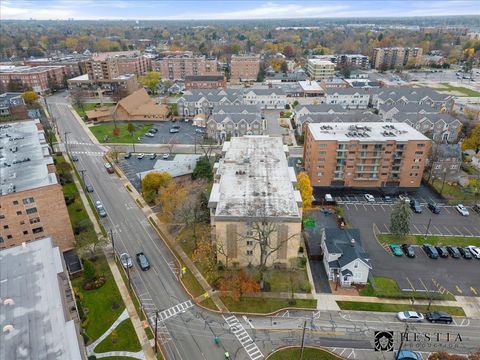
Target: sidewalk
x,y
132,313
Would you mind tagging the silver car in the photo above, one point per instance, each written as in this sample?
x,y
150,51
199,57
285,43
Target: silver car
x,y
126,260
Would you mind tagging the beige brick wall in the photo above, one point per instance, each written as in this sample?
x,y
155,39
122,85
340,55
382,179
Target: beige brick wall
x,y
16,225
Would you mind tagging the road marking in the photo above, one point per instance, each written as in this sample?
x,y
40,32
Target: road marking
x,y
356,208
364,207
411,285
418,231
352,354
247,321
466,229
346,205
342,352
423,284
174,310
473,290
459,232
446,209
458,289
242,335
437,229
446,230
386,227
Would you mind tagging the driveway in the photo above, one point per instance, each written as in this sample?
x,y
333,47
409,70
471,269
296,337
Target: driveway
x,y
273,125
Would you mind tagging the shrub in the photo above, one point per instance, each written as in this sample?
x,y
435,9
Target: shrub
x,y
89,271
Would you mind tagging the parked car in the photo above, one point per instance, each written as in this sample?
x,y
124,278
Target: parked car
x,y
453,251
109,167
126,260
396,250
100,209
434,208
173,131
387,199
153,156
404,198
442,251
149,134
142,261
476,208
200,131
328,198
153,130
140,156
408,355
462,210
369,198
74,158
465,252
430,251
410,316
416,207
475,250
127,155
176,127
89,188
408,250
439,316
165,156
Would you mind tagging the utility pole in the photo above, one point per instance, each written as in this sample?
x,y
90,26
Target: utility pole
x,y
444,177
428,227
402,339
113,243
83,176
303,338
156,332
66,141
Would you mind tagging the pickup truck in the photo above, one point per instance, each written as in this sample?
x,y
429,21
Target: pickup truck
x,y
142,261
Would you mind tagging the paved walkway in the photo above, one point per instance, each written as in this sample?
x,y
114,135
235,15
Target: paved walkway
x,y
91,348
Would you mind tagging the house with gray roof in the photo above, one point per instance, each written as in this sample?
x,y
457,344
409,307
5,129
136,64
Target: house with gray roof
x,y
388,111
235,120
349,98
266,98
202,101
445,161
319,109
421,95
344,258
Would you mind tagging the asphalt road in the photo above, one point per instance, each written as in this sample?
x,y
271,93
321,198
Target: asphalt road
x,y
189,332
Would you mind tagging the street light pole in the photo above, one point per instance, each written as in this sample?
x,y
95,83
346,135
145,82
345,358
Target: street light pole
x,y
428,227
83,176
444,177
303,339
113,243
156,332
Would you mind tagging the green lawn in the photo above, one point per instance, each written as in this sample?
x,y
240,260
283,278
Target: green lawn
x,y
104,305
124,341
382,307
461,89
87,107
283,280
433,240
308,354
106,130
264,305
451,192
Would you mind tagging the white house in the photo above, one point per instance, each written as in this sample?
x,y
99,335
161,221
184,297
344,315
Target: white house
x,y
349,98
266,98
343,256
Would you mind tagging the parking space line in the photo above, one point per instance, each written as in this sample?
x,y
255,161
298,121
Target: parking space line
x,y
346,205
386,227
437,229
373,207
364,207
446,209
468,231
411,285
446,230
418,231
423,284
477,230
459,232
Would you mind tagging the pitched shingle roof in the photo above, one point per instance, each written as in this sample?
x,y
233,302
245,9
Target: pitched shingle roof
x,y
340,241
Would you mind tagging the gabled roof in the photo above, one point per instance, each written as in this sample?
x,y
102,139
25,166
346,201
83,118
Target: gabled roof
x,y
347,91
236,109
433,118
322,108
347,117
236,118
413,94
139,103
347,243
409,108
266,92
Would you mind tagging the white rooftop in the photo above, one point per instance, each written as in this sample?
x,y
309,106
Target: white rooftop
x,y
255,180
310,85
31,307
182,164
365,132
320,62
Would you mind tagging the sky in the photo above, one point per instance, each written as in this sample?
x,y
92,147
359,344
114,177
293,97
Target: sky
x,y
228,9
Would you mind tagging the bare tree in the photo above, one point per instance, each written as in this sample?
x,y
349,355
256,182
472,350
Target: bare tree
x,y
77,98
171,144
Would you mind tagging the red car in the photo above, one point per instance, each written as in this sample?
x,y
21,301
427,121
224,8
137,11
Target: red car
x,y
109,168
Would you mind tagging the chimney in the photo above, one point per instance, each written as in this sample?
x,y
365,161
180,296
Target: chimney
x,y
352,242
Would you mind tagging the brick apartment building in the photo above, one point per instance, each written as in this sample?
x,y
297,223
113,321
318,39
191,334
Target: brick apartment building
x,y
244,68
109,65
205,82
178,66
71,64
32,205
39,78
96,88
369,154
396,57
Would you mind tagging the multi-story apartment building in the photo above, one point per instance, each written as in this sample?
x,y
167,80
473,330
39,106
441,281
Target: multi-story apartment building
x,y
349,98
319,69
205,82
97,88
365,155
357,61
109,65
40,78
32,205
178,66
254,200
396,57
12,104
70,63
244,68
266,98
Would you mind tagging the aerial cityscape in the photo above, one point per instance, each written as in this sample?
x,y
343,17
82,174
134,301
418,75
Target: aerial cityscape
x,y
239,180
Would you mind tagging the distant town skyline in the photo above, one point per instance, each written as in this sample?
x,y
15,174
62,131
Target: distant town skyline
x,y
226,10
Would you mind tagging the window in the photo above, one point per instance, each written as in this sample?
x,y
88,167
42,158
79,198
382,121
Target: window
x,y
417,160
19,213
453,167
27,201
322,152
37,230
357,275
320,174
25,232
364,146
320,166
418,152
15,202
355,265
5,226
9,237
2,216
323,145
413,174
415,167
249,252
249,242
420,145
31,211
34,220
1,240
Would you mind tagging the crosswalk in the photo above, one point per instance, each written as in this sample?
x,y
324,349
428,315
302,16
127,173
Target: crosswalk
x,y
174,310
241,334
91,153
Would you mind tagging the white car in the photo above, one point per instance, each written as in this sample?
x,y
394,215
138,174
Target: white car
x,y
140,156
165,156
462,210
475,250
126,260
149,134
410,316
404,198
369,198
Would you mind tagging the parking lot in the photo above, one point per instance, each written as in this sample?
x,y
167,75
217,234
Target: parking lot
x,y
131,167
457,276
185,135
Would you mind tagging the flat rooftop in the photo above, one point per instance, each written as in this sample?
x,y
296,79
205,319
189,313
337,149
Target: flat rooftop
x,y
24,157
182,164
320,62
365,132
255,180
32,305
27,69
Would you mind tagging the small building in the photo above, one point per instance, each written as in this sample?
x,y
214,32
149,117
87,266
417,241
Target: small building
x,y
205,82
334,83
344,258
349,98
311,88
445,161
13,105
138,106
266,98
179,168
38,312
319,69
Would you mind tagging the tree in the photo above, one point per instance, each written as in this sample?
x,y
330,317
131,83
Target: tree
x,y
30,97
64,168
305,189
446,356
284,67
77,98
152,182
203,169
170,198
261,73
150,80
89,270
400,219
238,284
90,243
131,129
473,141
205,255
